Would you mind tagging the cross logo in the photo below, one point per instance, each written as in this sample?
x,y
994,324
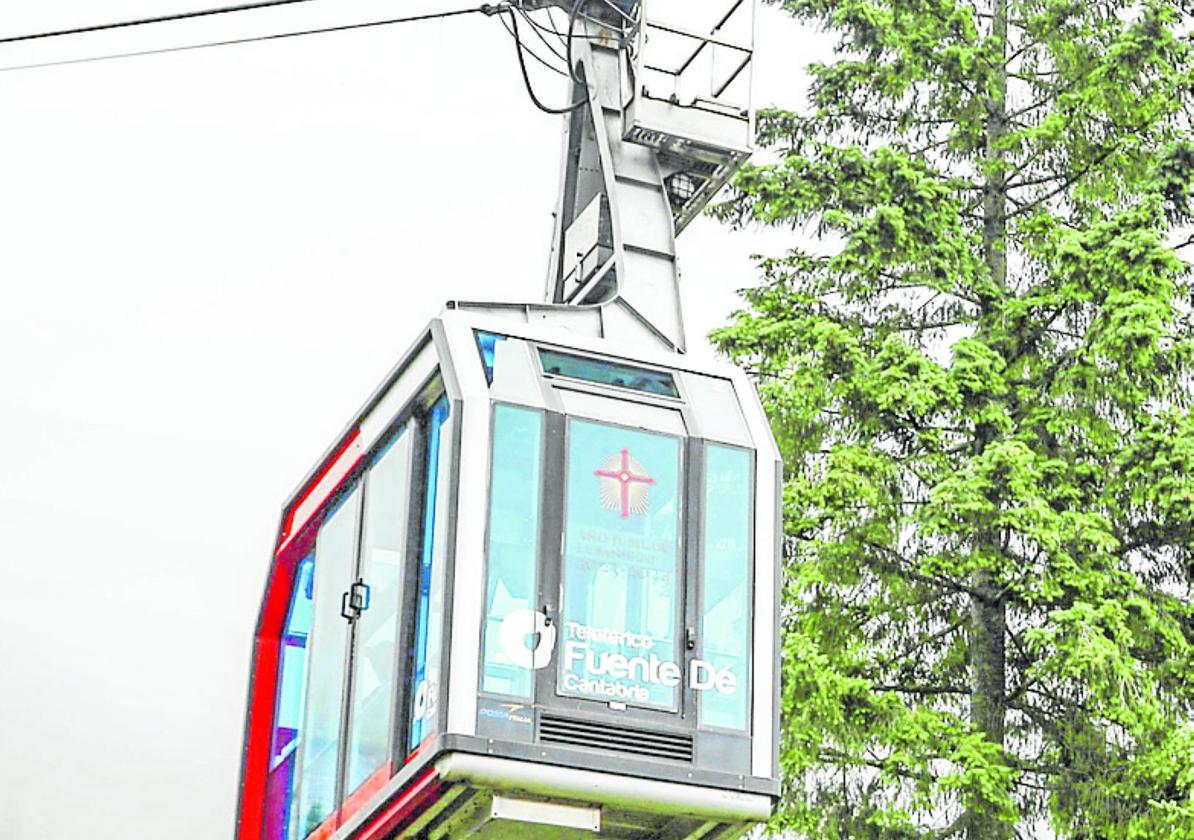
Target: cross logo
x,y
625,485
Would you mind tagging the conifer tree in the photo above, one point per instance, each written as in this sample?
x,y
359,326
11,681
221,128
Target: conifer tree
x,y
981,381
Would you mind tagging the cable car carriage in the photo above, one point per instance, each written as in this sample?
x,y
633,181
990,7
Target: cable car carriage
x,y
532,590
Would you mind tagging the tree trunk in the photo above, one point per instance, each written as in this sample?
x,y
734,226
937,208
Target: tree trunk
x,y
988,685
988,616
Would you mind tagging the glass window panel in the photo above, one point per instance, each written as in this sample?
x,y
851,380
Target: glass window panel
x,y
383,550
621,567
335,549
608,373
717,409
288,714
510,584
726,588
429,626
487,343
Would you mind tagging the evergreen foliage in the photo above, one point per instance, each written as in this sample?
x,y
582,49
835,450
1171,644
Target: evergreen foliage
x,y
982,389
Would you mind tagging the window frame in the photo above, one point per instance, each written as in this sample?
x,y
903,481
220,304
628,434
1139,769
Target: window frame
x,y
410,429
552,577
441,549
698,582
307,559
622,392
541,545
351,485
413,420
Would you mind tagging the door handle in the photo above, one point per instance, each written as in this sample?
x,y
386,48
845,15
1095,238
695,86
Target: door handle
x,y
355,601
361,596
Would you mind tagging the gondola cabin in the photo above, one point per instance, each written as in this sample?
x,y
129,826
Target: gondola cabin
x,y
531,591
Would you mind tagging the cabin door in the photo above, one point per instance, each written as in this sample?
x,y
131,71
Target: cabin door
x,y
613,592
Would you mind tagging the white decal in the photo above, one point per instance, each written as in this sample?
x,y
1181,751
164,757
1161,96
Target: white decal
x,y
704,677
425,703
513,633
420,701
597,672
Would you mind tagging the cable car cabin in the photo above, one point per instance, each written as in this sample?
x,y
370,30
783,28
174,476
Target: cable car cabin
x,y
531,591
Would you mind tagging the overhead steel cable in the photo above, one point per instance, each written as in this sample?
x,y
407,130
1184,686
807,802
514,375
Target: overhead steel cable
x,y
526,78
536,27
125,24
572,14
529,51
553,29
486,9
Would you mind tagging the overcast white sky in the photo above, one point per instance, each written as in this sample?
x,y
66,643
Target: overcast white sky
x,y
207,262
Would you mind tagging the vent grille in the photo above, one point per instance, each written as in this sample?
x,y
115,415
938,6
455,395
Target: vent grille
x,y
598,735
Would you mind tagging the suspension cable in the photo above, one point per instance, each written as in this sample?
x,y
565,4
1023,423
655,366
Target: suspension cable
x,y
538,29
522,65
486,9
510,31
125,24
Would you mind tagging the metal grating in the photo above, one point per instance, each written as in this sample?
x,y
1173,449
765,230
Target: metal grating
x,y
628,740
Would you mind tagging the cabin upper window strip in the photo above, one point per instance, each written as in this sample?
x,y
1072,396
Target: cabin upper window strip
x,y
601,372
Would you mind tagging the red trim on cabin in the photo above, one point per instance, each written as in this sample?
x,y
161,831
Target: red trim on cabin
x,y
358,798
326,828
256,757
263,694
294,540
425,790
341,462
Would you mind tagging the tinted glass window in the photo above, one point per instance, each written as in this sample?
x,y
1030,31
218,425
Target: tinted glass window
x,y
621,567
383,550
487,343
726,588
430,616
292,685
513,550
320,745
608,373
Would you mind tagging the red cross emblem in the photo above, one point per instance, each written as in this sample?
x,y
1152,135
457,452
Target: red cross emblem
x,y
624,485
